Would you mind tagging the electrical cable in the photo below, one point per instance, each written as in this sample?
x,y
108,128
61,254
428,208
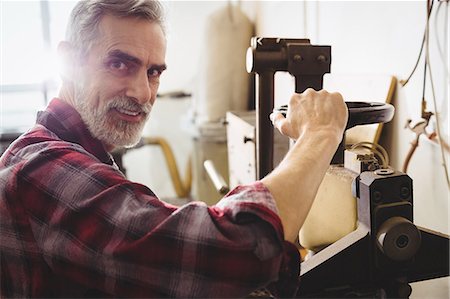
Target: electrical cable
x,y
445,34
426,114
424,83
404,82
441,51
438,127
412,149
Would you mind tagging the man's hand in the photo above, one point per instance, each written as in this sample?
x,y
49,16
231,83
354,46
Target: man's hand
x,y
312,111
317,121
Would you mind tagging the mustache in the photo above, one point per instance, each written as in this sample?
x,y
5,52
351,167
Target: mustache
x,y
129,103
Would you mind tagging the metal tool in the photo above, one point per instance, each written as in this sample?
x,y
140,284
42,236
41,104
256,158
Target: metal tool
x,y
418,129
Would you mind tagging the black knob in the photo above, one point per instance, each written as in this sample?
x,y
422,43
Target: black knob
x,y
398,238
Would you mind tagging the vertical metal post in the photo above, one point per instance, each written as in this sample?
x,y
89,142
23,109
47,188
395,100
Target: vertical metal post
x,y
264,128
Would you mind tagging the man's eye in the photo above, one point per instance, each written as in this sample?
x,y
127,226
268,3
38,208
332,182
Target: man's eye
x,y
118,65
154,72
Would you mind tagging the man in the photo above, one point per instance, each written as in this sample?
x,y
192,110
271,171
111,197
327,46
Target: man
x,y
73,226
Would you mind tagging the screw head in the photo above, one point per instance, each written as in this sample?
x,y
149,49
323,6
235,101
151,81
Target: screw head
x,y
404,192
321,58
297,58
377,196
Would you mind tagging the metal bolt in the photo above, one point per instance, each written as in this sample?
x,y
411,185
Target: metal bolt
x,y
377,196
298,57
321,58
404,192
402,241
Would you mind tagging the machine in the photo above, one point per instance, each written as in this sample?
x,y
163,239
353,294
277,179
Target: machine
x,y
386,251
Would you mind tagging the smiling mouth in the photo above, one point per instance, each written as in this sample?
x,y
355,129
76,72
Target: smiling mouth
x,y
128,112
128,115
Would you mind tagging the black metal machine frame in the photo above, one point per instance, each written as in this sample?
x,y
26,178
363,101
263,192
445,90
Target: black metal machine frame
x,y
266,56
387,251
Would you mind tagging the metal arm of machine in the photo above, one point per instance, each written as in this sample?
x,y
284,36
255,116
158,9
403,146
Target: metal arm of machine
x,y
266,56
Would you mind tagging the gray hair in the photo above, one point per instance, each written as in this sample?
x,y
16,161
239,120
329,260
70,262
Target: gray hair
x,y
83,24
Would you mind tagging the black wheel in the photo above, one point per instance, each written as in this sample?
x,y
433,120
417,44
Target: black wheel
x,y
360,113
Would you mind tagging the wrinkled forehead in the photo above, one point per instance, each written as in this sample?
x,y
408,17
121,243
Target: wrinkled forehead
x,y
113,26
137,36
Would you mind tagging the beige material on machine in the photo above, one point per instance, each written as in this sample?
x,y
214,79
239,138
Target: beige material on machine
x,y
333,213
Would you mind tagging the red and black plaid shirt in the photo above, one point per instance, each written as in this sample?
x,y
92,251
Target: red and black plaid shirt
x,y
71,225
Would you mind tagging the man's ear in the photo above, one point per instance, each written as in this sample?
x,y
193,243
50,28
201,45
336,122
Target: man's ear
x,y
67,61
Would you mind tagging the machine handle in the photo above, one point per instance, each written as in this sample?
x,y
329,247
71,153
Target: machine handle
x,y
360,113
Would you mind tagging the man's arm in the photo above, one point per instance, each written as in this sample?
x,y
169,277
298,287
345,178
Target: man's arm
x,y
100,231
317,121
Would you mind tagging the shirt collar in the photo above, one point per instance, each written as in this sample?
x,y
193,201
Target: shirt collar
x,y
62,119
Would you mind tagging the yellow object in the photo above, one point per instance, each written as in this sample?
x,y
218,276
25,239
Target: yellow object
x,y
333,213
182,188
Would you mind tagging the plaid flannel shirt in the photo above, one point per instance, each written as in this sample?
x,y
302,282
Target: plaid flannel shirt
x,y
71,225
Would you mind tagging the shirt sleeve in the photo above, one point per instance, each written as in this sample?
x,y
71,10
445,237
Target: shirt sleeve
x,y
100,230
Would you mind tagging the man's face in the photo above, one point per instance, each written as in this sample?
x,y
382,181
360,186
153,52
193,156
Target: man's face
x,y
116,86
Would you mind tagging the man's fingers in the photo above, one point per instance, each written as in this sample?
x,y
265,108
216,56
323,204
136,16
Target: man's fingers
x,y
282,124
276,118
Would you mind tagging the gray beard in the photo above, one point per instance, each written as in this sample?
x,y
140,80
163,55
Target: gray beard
x,y
117,133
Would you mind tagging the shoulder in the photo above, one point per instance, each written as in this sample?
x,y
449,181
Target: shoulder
x,y
40,152
39,143
44,163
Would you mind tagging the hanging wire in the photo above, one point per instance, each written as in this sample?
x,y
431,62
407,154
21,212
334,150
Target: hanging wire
x,y
438,126
424,84
404,82
445,34
441,51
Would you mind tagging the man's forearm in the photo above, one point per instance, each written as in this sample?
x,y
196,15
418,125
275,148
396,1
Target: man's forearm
x,y
295,181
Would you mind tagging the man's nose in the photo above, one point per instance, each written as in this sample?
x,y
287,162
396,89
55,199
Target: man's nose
x,y
139,88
